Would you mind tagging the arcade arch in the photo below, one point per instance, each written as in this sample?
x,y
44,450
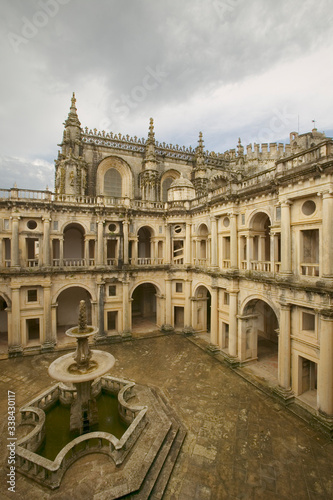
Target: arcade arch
x,y
114,178
73,244
259,328
202,309
144,308
68,309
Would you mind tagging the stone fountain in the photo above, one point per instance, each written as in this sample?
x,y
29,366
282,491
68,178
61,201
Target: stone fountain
x,y
143,453
81,370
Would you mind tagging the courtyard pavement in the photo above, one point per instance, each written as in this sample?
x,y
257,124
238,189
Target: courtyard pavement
x,y
240,444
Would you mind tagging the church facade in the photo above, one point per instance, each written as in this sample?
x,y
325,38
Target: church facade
x,y
238,244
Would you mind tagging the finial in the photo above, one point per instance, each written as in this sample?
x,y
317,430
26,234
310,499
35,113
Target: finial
x,y
73,100
82,317
200,150
151,133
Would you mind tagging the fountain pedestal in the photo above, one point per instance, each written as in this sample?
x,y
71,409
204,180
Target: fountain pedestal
x,y
81,369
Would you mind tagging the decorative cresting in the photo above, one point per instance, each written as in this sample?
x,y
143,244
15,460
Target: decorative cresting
x,y
149,178
200,181
70,167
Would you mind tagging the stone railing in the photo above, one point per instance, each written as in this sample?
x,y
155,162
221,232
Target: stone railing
x,y
309,269
48,472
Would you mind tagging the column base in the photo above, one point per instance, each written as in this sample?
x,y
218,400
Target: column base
x,y
48,346
167,329
126,335
188,331
287,395
14,351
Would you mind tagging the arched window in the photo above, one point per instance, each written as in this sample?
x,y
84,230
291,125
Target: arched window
x,y
112,183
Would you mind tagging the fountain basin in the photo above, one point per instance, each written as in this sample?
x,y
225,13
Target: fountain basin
x,y
65,369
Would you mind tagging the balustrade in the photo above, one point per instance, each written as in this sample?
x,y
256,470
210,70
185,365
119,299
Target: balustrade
x,y
310,269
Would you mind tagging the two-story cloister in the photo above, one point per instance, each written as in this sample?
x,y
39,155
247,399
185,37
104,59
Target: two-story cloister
x,y
162,237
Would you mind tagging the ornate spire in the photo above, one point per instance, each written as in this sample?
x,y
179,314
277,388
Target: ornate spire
x,y
240,148
199,153
150,145
151,133
73,119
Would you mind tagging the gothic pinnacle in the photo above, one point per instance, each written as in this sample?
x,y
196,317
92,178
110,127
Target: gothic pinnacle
x,y
151,133
72,119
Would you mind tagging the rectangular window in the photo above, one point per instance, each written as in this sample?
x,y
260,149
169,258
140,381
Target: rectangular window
x,y
278,213
226,298
92,227
112,290
55,225
6,224
33,329
310,252
32,295
112,320
308,322
160,229
243,219
179,287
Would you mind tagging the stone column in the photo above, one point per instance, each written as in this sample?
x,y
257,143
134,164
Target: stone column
x,y
14,343
188,302
233,241
15,242
46,242
135,251
214,242
284,354
100,243
168,302
125,232
249,251
214,317
61,252
325,369
261,249
48,341
272,252
155,252
285,238
197,253
233,323
126,310
54,322
167,250
100,310
327,231
86,251
2,258
188,244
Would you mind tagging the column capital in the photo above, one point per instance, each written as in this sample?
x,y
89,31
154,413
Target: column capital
x,y
286,203
284,305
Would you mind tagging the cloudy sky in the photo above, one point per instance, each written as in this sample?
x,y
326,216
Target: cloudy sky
x,y
255,69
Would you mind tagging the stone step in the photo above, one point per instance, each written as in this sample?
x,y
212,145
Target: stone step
x,y
157,478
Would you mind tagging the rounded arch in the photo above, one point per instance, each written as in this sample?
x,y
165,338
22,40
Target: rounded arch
x,y
144,307
68,301
166,180
202,308
143,282
73,243
203,230
145,235
255,298
219,181
259,218
260,326
122,168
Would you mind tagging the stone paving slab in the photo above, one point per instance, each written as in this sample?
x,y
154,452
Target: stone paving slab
x,y
240,443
